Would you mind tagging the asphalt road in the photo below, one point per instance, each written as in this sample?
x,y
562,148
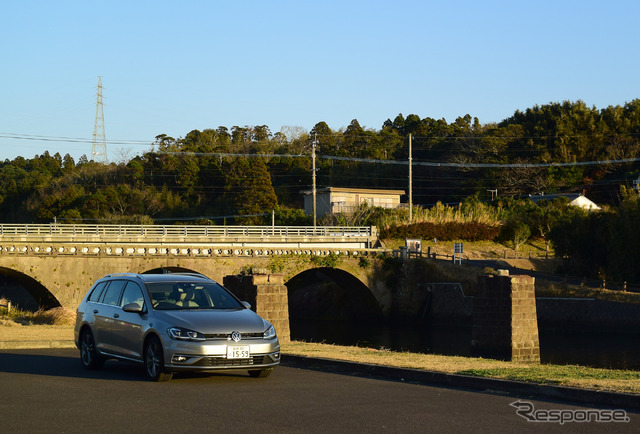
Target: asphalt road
x,y
48,391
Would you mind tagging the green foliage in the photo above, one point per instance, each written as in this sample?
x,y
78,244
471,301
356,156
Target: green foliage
x,y
253,194
363,262
515,231
190,177
331,260
448,231
292,217
546,215
277,263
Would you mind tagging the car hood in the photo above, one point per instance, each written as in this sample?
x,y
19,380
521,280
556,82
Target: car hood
x,y
211,321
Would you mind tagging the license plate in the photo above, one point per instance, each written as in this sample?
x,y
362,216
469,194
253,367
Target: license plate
x,y
238,352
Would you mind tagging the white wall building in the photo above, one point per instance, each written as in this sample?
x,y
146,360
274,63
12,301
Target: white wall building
x,y
333,200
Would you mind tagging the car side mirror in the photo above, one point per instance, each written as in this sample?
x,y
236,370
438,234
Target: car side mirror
x,y
246,304
133,308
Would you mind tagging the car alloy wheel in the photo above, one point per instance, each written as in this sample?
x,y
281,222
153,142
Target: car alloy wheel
x,y
154,361
88,353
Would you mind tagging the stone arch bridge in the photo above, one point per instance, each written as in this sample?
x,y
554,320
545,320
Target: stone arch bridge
x,y
57,264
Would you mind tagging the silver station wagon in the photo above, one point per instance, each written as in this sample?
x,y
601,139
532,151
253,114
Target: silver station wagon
x,y
172,322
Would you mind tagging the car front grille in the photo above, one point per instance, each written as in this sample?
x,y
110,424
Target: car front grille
x,y
227,336
223,361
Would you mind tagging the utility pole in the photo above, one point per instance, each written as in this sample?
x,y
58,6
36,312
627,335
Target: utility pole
x,y
410,182
313,172
99,146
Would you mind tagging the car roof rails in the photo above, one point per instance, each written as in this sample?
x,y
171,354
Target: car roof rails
x,y
189,273
122,275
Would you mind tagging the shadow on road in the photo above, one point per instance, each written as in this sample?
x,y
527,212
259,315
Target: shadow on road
x,y
68,365
29,362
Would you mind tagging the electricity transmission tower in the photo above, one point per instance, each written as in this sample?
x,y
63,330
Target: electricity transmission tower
x,y
99,146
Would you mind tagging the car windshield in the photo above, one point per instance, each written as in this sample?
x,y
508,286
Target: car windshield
x,y
189,295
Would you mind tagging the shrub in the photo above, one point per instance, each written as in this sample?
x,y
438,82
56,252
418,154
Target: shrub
x,y
515,231
447,231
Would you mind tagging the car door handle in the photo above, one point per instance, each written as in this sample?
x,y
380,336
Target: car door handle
x,y
115,315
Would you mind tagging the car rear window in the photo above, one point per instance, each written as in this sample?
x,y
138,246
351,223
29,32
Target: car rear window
x,y
112,294
97,291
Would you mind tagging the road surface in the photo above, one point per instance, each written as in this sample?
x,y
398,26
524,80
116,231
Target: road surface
x,y
48,391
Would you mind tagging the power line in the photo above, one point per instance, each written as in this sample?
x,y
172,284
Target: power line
x,y
331,157
69,139
227,154
415,163
481,165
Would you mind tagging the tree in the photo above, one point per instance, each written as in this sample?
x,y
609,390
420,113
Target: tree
x,y
187,176
516,231
249,186
545,216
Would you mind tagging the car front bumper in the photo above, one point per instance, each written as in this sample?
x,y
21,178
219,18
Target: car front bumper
x,y
212,355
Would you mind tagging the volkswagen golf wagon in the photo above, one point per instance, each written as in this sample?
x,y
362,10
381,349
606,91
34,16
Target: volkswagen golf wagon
x,y
172,322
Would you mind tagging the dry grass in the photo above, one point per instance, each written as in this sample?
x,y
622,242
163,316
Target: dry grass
x,y
565,375
440,213
56,316
553,289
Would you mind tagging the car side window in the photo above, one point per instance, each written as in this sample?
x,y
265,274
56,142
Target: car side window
x,y
132,294
113,291
97,291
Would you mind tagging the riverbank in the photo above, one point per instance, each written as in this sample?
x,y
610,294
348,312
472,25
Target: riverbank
x,y
613,380
16,336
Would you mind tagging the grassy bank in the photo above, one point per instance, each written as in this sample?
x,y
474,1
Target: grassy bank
x,y
565,375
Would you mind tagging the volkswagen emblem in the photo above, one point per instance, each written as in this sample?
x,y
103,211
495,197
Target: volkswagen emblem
x,y
236,336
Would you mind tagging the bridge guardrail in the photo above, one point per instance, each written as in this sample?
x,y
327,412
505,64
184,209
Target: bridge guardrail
x,y
118,232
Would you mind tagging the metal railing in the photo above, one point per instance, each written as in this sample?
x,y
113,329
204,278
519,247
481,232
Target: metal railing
x,y
38,231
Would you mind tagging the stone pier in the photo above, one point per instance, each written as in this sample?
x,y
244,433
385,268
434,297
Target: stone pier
x,y
505,323
268,297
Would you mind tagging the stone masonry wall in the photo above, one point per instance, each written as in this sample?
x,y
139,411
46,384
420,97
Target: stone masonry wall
x,y
504,319
268,297
525,341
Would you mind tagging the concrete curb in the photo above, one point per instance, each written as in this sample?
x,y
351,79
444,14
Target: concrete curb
x,y
562,393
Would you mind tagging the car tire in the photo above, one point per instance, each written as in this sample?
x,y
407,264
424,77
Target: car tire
x,y
261,373
88,353
154,361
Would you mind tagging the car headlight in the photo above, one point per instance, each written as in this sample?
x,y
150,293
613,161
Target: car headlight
x,y
270,333
178,333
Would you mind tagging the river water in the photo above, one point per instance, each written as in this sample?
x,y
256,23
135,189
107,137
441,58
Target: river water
x,y
601,350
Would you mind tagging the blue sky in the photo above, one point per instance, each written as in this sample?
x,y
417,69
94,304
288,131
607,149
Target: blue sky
x,y
170,68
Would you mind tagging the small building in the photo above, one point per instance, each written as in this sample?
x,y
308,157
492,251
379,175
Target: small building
x,y
584,203
575,199
334,200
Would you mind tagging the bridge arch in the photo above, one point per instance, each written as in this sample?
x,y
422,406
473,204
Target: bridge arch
x,y
331,294
24,291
